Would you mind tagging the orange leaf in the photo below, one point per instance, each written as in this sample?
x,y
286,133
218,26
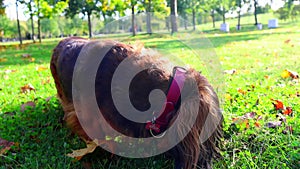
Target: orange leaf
x,y
278,105
257,124
242,91
288,111
27,88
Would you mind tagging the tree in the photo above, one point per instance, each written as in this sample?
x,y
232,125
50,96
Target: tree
x,y
84,7
47,9
239,4
151,6
2,7
289,10
255,11
18,23
223,7
173,7
29,4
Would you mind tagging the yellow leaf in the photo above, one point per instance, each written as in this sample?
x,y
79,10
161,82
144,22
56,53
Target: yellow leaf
x,y
228,96
40,68
78,154
285,74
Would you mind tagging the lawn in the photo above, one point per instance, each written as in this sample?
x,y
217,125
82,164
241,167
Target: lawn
x,y
254,83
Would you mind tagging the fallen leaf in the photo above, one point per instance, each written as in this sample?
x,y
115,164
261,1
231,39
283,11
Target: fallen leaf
x,y
46,81
40,68
27,104
288,129
5,146
231,72
249,115
241,91
228,96
288,111
26,55
257,124
27,88
78,154
280,117
287,41
278,105
288,73
274,124
8,71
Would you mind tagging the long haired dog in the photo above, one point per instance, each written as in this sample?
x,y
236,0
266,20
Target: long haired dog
x,y
191,152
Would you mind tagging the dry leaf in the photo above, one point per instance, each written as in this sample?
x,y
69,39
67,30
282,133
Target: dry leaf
x,y
5,146
8,71
27,104
228,96
288,111
231,72
288,73
27,88
26,55
287,41
249,115
241,91
288,129
278,105
78,154
274,124
40,68
257,124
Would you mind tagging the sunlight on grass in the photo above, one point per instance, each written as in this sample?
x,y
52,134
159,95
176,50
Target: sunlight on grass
x,y
258,58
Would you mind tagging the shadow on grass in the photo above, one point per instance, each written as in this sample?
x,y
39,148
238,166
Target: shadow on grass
x,y
42,141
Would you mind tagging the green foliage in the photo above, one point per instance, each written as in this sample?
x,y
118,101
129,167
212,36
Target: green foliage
x,y
7,27
288,12
2,7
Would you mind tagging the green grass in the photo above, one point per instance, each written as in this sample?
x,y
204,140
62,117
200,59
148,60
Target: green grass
x,y
259,57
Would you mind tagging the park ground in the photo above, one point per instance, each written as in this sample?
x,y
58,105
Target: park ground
x,y
260,102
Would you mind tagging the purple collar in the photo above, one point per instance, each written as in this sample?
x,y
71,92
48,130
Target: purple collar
x,y
173,95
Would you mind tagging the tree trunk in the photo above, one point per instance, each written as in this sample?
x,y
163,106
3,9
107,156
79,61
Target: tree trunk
x,y
39,30
239,15
173,16
213,18
132,20
255,12
224,19
90,25
32,23
149,29
39,21
185,22
18,22
194,19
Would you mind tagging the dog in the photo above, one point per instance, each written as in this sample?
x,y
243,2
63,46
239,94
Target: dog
x,y
191,152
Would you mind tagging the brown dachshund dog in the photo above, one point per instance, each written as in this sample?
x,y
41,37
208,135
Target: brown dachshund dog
x,y
192,151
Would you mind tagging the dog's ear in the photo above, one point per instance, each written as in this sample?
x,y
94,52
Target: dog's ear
x,y
199,106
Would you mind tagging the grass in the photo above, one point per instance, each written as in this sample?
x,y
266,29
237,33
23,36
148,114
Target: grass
x,y
259,58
